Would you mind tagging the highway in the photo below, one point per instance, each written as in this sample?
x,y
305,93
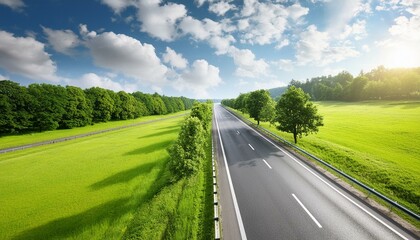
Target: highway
x,y
267,193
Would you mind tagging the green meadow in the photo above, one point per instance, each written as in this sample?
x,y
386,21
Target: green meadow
x,y
376,142
100,187
23,139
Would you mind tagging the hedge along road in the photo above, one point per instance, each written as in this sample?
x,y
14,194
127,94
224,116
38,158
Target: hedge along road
x,y
11,149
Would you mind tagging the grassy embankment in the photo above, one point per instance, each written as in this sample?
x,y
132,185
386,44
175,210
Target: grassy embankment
x,y
375,142
101,187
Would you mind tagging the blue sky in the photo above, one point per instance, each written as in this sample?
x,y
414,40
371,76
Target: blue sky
x,y
202,48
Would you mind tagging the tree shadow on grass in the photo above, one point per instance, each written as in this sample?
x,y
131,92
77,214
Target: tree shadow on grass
x,y
161,133
124,176
151,148
71,226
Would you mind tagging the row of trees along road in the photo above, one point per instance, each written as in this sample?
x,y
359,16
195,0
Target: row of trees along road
x,y
41,107
293,112
187,153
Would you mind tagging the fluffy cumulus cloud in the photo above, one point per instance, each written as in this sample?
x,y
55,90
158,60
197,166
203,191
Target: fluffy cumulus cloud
x,y
215,33
265,22
221,8
89,80
314,47
406,28
174,59
247,64
13,4
356,30
62,41
26,56
126,55
119,5
160,21
199,78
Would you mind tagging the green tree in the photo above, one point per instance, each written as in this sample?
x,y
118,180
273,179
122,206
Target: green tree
x,y
268,112
102,104
15,107
49,106
128,106
296,114
188,151
203,112
240,102
78,112
255,102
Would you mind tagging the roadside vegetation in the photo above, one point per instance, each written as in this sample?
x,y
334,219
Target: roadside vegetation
x,y
375,142
183,209
108,186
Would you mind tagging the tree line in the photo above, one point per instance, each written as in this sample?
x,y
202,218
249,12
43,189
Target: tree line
x,y
293,111
379,83
187,153
41,107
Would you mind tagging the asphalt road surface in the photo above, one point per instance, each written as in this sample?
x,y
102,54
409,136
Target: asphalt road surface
x,y
266,193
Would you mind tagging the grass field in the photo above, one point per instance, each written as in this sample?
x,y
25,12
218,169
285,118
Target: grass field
x,y
376,142
88,188
17,140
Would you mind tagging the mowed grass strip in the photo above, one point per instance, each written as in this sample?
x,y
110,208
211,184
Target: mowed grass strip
x,y
376,142
88,188
18,140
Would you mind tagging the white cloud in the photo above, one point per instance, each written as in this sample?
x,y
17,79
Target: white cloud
x,y
160,21
199,78
209,30
89,80
247,65
221,8
357,30
265,22
26,56
406,28
282,44
3,77
126,55
118,5
62,41
174,59
13,4
284,64
341,13
314,48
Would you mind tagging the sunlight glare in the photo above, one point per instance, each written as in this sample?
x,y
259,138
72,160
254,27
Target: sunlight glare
x,y
402,57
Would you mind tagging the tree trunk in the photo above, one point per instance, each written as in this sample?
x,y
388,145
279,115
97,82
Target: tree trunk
x,y
258,122
295,135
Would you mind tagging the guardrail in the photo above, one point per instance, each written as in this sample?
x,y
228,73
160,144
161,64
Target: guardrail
x,y
215,198
357,182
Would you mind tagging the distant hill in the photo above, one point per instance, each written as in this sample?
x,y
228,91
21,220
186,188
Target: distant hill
x,y
277,92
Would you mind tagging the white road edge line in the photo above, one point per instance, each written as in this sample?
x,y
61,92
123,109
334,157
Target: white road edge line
x,y
307,211
329,185
232,190
251,147
268,165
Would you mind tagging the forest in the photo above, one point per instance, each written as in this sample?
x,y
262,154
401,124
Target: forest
x,y
378,84
41,107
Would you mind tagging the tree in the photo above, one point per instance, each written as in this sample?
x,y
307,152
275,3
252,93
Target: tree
x,y
78,112
268,112
296,114
203,112
188,151
49,106
255,102
102,104
15,107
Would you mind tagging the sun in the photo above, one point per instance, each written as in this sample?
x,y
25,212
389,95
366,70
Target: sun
x,y
402,56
